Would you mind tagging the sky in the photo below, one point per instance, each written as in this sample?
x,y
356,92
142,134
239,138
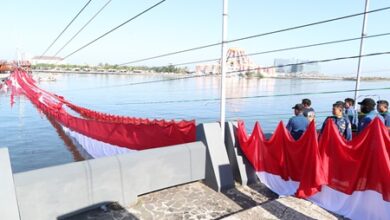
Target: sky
x,y
31,26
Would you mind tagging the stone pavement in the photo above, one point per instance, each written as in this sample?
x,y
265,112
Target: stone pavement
x,y
197,201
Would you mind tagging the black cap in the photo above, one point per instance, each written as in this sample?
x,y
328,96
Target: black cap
x,y
383,102
299,107
367,102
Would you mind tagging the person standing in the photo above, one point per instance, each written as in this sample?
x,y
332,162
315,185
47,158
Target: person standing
x,y
342,122
297,124
308,111
367,107
351,112
383,109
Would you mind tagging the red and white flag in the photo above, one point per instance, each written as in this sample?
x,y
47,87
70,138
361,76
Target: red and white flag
x,y
348,178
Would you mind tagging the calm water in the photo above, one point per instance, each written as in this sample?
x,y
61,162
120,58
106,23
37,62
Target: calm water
x,y
36,142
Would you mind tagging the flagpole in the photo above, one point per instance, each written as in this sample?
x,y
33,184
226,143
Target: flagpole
x,y
357,86
223,66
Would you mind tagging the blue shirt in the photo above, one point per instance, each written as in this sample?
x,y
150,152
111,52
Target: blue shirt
x,y
343,125
297,125
386,116
352,115
367,119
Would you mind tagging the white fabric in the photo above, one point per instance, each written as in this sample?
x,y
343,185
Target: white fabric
x,y
277,184
360,205
95,148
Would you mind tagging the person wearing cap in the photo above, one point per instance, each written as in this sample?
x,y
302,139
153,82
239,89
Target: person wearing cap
x,y
308,111
383,109
297,124
342,122
367,107
351,113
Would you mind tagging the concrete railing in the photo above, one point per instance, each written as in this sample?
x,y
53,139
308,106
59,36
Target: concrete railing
x,y
64,190
242,170
8,204
56,191
219,174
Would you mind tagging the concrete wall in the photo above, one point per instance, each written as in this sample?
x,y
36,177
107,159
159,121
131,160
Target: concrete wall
x,y
242,170
219,174
8,205
56,191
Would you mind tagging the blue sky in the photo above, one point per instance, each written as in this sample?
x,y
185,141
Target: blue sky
x,y
177,24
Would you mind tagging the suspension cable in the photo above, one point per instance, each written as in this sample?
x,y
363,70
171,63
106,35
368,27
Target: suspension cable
x,y
115,28
231,72
67,26
251,97
81,29
315,61
255,36
289,48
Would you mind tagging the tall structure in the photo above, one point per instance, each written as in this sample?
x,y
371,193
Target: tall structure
x,y
237,62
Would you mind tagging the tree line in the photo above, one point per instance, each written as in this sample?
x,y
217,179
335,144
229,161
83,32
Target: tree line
x,y
108,67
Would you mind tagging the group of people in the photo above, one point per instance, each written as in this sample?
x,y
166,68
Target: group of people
x,y
344,115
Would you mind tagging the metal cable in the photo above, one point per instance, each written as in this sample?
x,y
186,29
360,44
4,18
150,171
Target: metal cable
x,y
67,26
255,36
314,61
81,29
289,48
231,72
112,30
251,97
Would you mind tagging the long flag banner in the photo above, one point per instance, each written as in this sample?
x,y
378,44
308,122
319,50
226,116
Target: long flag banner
x,y
348,178
102,134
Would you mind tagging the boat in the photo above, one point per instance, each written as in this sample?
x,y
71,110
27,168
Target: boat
x,y
5,67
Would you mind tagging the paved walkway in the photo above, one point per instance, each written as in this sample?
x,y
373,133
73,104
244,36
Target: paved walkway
x,y
197,201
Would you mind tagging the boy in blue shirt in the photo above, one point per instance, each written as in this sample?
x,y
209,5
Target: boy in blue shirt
x,y
297,124
342,122
367,107
383,109
351,112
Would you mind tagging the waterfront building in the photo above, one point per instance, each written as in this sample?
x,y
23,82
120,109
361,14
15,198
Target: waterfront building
x,y
47,60
295,66
238,63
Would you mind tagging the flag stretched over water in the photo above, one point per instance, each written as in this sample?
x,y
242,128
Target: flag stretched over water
x,y
349,178
102,134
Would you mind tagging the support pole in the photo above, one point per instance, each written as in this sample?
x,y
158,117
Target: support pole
x,y
357,86
223,66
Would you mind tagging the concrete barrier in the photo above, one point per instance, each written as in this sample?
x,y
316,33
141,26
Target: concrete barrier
x,y
219,174
8,205
56,191
242,169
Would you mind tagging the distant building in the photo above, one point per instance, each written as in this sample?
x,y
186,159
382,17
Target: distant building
x,y
295,66
237,63
47,60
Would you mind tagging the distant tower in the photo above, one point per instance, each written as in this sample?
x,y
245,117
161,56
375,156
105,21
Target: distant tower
x,y
237,63
237,60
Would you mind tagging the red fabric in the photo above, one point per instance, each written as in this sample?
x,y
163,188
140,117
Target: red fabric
x,y
132,133
281,155
362,164
358,165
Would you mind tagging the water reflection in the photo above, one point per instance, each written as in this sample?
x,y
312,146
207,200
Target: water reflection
x,y
65,138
